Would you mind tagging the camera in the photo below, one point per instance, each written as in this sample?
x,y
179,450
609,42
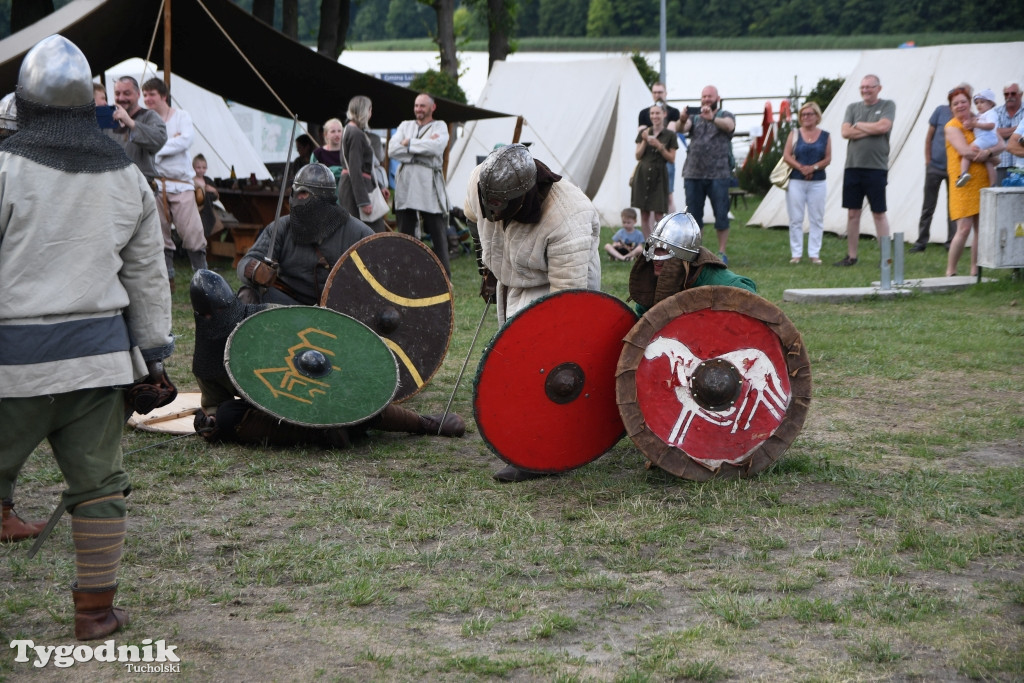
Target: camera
x,y
693,111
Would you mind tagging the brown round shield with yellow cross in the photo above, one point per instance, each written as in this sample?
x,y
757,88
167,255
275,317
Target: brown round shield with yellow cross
x,y
713,382
311,366
397,287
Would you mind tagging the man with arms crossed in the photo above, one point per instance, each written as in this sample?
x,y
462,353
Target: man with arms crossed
x,y
866,125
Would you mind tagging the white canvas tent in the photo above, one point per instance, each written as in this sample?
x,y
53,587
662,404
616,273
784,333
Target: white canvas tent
x,y
580,116
218,136
918,80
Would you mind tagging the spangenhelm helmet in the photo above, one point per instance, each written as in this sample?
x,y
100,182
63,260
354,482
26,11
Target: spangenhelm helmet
x,y
318,180
56,73
8,115
506,175
679,234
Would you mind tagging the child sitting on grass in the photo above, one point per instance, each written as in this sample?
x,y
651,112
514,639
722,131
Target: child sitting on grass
x,y
628,242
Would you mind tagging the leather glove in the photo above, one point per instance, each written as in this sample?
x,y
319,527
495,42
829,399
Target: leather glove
x,y
262,273
154,391
489,288
205,425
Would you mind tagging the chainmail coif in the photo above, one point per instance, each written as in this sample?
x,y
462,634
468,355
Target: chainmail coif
x,y
313,220
64,138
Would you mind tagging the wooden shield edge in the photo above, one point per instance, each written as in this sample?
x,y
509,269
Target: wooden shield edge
x,y
798,366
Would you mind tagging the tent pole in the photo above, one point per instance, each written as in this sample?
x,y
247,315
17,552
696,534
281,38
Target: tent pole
x,y
519,129
167,44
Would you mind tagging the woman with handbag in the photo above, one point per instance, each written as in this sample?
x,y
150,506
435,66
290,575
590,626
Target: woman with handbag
x,y
655,146
358,192
808,151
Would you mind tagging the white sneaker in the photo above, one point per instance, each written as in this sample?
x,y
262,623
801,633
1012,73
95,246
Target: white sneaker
x,y
963,179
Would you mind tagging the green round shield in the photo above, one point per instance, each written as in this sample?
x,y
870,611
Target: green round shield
x,y
311,366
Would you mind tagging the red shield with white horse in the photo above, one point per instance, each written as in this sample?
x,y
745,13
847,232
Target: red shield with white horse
x,y
713,381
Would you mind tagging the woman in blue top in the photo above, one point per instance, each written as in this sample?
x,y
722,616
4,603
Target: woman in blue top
x,y
808,151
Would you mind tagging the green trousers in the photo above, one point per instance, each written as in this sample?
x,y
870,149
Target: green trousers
x,y
84,430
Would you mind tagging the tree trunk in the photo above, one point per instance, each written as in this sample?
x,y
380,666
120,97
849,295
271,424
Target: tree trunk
x,y
327,41
499,22
333,27
27,12
290,18
446,37
264,11
343,19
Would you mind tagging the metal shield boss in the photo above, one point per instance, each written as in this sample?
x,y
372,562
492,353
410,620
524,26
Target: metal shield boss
x,y
713,382
396,286
311,366
544,394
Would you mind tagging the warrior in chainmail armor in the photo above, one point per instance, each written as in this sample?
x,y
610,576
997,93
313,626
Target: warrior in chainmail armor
x,y
84,310
291,259
226,417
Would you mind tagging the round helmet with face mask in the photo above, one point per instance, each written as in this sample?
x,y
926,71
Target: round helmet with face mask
x,y
506,176
317,180
678,234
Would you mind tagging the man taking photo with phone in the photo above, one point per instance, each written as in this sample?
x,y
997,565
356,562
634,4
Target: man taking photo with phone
x,y
708,166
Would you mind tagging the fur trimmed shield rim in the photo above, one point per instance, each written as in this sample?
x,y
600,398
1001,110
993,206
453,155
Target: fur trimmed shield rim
x,y
675,460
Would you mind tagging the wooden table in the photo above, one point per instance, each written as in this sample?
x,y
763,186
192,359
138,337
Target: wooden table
x,y
255,209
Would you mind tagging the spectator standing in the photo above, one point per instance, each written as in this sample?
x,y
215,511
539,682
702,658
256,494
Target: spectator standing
x,y
206,194
357,178
808,151
655,148
1010,114
934,176
866,125
330,154
964,201
419,145
141,132
176,189
708,167
659,93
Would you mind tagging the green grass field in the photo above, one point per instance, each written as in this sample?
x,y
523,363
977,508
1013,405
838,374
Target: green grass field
x,y
887,544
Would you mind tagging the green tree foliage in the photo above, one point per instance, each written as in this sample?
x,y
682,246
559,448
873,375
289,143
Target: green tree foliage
x,y
409,19
369,20
824,90
438,84
647,72
562,17
601,19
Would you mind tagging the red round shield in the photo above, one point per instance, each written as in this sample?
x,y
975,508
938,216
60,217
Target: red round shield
x,y
714,381
544,395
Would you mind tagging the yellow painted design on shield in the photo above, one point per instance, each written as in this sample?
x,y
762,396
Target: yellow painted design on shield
x,y
391,296
1020,230
406,361
289,383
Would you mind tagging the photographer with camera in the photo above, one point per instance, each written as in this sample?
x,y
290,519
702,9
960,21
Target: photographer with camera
x,y
708,166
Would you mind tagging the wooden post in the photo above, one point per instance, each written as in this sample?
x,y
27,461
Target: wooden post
x,y
519,129
447,150
167,44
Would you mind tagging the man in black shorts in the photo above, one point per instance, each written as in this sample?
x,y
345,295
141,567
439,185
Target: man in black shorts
x,y
866,125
